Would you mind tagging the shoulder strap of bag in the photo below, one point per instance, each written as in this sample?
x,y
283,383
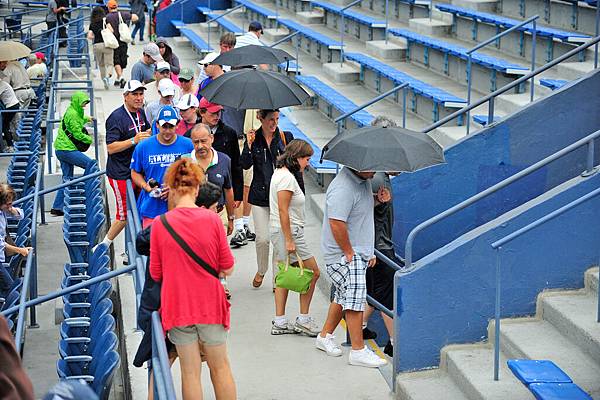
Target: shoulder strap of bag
x,y
282,136
104,23
120,17
186,248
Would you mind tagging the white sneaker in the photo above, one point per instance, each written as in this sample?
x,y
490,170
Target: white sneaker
x,y
309,328
328,345
365,358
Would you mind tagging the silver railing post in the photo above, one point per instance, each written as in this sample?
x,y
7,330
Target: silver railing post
x,y
497,317
430,9
404,106
590,157
596,34
533,43
342,40
491,111
469,71
386,20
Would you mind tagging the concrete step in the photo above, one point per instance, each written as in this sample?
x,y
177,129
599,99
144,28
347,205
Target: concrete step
x,y
427,26
471,367
478,5
574,70
573,313
537,339
591,280
427,385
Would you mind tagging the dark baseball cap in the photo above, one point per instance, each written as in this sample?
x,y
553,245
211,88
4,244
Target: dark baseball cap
x,y
255,26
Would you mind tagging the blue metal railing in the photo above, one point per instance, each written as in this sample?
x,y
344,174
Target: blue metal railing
x,y
219,17
285,39
497,245
163,380
491,40
132,229
343,28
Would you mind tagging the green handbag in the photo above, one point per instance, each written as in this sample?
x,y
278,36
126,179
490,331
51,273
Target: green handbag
x,y
294,278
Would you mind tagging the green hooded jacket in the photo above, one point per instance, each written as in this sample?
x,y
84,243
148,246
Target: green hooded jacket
x,y
74,119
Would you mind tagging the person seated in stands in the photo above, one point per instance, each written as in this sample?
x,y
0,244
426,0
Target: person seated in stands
x,y
166,90
144,69
194,309
126,127
9,100
150,161
188,109
38,68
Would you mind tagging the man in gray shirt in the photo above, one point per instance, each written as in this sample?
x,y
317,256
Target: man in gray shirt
x,y
347,245
143,70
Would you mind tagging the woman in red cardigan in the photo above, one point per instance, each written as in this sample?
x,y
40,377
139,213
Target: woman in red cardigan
x,y
194,308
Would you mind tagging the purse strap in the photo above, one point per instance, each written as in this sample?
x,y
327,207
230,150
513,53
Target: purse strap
x,y
300,262
187,248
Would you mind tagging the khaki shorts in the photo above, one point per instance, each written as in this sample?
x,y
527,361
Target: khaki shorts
x,y
224,219
248,173
207,334
278,242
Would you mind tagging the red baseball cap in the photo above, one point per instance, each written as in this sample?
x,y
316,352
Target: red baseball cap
x,y
210,107
40,55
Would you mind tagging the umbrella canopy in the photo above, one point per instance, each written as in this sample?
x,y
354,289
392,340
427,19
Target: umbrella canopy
x,y
252,55
254,89
11,50
376,148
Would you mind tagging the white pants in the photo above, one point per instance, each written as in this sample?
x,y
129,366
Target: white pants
x,y
263,243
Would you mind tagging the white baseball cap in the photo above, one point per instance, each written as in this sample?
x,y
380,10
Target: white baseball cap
x,y
186,101
209,58
132,86
166,87
162,66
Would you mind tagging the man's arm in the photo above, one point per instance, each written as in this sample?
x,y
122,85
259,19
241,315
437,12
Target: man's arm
x,y
138,179
339,229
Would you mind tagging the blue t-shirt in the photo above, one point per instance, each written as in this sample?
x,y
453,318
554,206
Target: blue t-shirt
x,y
151,159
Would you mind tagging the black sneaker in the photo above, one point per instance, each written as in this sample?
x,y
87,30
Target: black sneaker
x,y
251,236
117,83
123,83
56,212
369,334
238,239
389,349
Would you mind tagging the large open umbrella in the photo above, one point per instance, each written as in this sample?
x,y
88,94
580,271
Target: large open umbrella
x,y
254,89
253,55
11,50
376,148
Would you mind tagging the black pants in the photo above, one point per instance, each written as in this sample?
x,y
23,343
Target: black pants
x,y
7,118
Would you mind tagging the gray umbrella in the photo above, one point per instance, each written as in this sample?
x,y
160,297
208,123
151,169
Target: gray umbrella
x,y
254,89
376,148
252,55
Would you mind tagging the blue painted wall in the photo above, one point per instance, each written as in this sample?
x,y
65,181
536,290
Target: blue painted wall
x,y
449,297
491,155
186,11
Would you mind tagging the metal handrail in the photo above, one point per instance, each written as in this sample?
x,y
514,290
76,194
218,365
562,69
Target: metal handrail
x,y
490,97
285,39
497,245
342,12
491,40
132,229
586,141
21,307
218,17
374,100
163,380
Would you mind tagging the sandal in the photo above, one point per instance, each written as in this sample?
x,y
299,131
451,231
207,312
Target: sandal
x,y
255,282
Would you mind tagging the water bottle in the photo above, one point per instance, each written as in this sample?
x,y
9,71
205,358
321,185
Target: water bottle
x,y
156,190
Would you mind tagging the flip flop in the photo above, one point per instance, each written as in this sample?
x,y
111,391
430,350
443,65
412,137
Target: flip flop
x,y
255,282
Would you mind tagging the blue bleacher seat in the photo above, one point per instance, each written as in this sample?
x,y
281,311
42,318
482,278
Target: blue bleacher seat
x,y
553,83
483,119
505,22
197,42
222,22
461,52
533,371
558,391
350,14
311,34
336,99
290,66
100,372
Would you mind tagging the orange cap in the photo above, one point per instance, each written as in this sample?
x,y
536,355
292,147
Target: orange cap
x,y
112,4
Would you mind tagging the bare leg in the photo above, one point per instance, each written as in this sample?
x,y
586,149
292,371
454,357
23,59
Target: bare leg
x,y
306,298
172,358
247,207
389,324
281,296
334,316
191,367
115,228
220,372
354,321
119,72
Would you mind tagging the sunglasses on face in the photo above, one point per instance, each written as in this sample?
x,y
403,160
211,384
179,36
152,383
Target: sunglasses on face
x,y
184,80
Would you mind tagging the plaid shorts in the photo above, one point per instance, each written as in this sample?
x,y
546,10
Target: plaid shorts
x,y
350,283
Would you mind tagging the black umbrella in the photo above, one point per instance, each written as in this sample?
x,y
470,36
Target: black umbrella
x,y
254,89
253,55
376,148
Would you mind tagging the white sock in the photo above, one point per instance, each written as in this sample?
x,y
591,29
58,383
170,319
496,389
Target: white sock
x,y
303,318
107,241
281,320
246,220
238,224
365,325
392,341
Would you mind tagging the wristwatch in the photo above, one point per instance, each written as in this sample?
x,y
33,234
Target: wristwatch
x,y
231,218
133,140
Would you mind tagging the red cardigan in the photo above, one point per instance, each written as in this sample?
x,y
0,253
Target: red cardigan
x,y
189,294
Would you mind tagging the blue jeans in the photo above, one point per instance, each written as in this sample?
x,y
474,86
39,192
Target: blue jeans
x,y
139,26
68,160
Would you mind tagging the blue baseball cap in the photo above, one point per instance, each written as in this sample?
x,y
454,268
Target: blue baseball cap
x,y
167,115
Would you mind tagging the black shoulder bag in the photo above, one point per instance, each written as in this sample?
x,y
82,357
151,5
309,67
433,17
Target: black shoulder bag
x,y
187,249
79,145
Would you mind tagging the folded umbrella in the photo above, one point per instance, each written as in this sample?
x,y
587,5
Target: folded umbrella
x,y
252,55
377,148
254,89
11,50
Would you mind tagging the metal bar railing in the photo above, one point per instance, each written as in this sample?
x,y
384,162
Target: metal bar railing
x,y
485,43
218,17
343,29
133,227
163,380
33,279
21,307
497,245
285,39
374,100
586,141
512,84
